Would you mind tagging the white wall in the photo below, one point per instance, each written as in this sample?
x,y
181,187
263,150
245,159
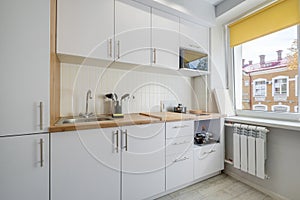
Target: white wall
x,y
147,88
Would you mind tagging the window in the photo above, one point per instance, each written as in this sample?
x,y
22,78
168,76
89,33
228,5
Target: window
x,y
267,54
280,86
260,87
280,108
260,107
270,63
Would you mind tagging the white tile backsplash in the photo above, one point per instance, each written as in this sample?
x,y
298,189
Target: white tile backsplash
x,y
146,89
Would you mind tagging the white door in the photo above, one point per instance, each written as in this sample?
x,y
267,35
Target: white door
x,y
133,32
23,175
143,161
85,28
85,165
24,61
194,36
165,40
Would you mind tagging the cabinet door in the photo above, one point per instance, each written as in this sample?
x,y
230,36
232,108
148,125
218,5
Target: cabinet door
x,y
143,161
85,28
133,32
165,40
207,160
85,165
194,36
25,68
179,169
179,128
23,176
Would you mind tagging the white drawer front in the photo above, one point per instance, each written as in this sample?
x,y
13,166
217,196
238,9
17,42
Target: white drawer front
x,y
207,160
179,170
180,128
179,145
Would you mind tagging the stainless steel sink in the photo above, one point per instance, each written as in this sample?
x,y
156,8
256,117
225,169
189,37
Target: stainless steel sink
x,y
202,114
76,120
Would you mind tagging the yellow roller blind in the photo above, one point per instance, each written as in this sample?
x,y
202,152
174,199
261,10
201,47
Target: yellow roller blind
x,y
277,16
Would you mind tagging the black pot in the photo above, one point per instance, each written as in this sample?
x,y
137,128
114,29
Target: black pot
x,y
180,109
199,138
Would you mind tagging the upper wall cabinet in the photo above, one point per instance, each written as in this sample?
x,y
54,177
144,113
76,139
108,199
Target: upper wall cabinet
x,y
133,32
194,36
165,39
85,28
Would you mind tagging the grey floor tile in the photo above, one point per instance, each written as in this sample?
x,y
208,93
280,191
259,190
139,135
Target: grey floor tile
x,y
221,187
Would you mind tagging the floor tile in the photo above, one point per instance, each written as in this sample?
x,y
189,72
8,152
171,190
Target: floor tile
x,y
221,187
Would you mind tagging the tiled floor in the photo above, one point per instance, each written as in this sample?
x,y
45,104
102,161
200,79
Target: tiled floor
x,y
221,187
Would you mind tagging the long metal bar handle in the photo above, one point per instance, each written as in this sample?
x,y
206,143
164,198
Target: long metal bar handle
x,y
182,126
118,44
117,141
154,55
180,159
41,152
41,115
126,140
110,47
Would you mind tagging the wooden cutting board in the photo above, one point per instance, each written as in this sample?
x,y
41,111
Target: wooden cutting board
x,y
196,111
170,116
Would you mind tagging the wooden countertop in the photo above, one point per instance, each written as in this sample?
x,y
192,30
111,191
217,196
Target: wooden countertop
x,y
134,119
129,119
172,116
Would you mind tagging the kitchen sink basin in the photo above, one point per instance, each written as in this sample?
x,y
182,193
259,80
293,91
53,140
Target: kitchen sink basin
x,y
202,114
82,120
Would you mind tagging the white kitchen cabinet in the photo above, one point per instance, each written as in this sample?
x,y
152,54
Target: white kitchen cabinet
x,y
180,128
86,28
25,58
179,153
194,37
143,161
24,167
179,169
133,32
85,164
165,40
207,160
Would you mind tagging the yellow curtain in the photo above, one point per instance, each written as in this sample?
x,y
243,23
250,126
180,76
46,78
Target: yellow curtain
x,y
277,16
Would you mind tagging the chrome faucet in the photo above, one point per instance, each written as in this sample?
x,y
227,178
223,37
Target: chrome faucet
x,y
87,114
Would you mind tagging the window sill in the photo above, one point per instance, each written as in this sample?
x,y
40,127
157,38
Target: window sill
x,y
273,123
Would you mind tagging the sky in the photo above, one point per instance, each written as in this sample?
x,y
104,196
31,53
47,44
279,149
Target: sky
x,y
268,45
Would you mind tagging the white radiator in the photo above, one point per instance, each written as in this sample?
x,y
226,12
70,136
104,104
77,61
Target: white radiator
x,y
249,149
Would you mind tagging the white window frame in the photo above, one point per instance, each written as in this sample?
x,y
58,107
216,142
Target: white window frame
x,y
287,85
260,105
296,109
254,87
285,106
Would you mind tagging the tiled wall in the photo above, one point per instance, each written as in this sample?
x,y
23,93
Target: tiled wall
x,y
146,89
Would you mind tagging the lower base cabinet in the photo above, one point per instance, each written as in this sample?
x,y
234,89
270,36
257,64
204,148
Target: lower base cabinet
x,y
207,160
85,165
24,167
125,163
179,170
143,161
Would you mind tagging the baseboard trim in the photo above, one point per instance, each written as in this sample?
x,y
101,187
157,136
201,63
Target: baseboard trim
x,y
256,186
